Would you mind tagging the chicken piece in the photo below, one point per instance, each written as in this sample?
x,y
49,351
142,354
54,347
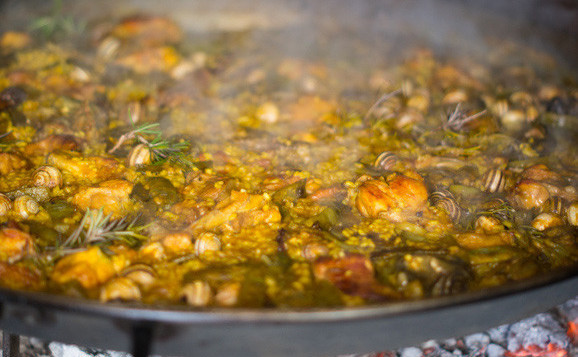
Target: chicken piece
x,y
147,31
151,59
19,278
239,210
352,274
89,268
15,245
176,244
112,196
85,169
392,198
541,172
529,194
52,143
479,239
11,162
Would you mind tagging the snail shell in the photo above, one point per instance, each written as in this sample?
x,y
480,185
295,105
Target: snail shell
x,y
385,161
25,206
446,201
47,176
197,293
314,250
572,213
122,289
139,155
207,242
547,220
494,181
142,274
5,205
554,204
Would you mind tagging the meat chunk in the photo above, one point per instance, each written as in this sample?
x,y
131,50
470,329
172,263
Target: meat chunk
x,y
85,169
352,274
19,277
112,196
239,210
11,162
89,268
15,244
391,198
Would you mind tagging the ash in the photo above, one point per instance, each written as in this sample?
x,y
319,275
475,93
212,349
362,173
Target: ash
x,y
550,334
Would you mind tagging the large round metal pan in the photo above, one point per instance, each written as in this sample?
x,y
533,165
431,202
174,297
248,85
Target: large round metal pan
x,y
182,331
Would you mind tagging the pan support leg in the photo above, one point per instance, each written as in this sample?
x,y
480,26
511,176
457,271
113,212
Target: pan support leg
x,y
10,345
142,337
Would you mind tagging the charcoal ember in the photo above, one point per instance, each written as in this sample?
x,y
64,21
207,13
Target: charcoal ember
x,y
411,352
569,310
494,350
477,341
432,348
62,350
499,334
541,331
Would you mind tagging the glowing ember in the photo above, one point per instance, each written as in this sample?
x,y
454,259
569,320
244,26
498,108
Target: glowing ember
x,y
551,350
572,332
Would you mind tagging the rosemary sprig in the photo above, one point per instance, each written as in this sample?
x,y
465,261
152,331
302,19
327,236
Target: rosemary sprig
x,y
161,149
102,229
56,23
458,119
385,97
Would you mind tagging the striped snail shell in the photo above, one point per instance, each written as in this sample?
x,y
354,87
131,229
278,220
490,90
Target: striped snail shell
x,y
5,204
139,155
142,274
207,242
446,201
554,204
25,206
120,289
385,161
572,213
494,181
47,176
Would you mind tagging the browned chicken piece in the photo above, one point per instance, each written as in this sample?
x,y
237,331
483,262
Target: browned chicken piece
x,y
11,162
528,194
354,275
176,244
85,169
19,277
391,198
89,268
151,59
52,143
112,196
475,240
550,180
147,31
239,210
15,244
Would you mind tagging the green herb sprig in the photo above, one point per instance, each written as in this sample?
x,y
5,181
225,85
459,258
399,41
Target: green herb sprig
x,y
97,228
56,23
162,150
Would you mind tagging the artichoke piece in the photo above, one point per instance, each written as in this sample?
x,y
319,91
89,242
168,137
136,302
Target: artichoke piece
x,y
59,209
45,236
